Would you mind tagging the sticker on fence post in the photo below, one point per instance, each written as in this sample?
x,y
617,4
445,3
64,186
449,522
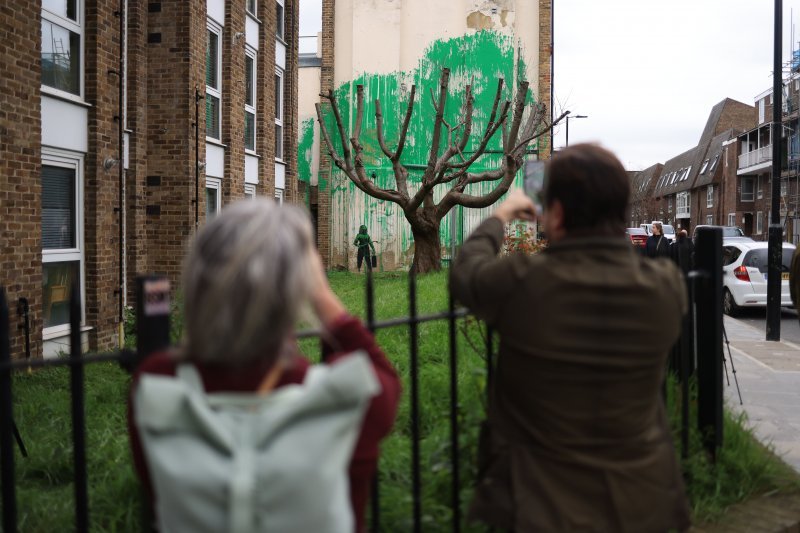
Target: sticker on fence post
x,y
156,297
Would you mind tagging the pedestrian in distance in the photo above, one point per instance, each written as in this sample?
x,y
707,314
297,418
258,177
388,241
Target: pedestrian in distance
x,y
363,243
657,245
577,437
235,430
682,252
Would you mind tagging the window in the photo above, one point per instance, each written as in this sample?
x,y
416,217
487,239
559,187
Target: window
x,y
278,114
761,110
279,27
710,220
213,85
784,187
710,196
213,200
251,7
669,204
759,222
747,193
759,191
703,168
61,46
279,196
250,100
249,191
682,200
714,163
731,219
61,181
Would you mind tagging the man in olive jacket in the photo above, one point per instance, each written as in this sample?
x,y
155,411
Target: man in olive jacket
x,y
578,430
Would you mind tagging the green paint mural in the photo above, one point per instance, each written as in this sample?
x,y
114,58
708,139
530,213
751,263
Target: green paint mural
x,y
305,155
477,59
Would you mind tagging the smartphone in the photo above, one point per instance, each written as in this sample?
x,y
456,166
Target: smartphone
x,y
533,184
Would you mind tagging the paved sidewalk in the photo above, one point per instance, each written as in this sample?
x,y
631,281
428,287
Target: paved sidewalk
x,y
769,379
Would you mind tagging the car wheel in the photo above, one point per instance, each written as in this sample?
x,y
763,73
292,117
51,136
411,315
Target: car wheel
x,y
729,306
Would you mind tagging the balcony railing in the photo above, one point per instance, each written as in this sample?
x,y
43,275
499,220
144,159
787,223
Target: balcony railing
x,y
755,157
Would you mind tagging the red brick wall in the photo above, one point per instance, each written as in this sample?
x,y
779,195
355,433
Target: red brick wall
x,y
324,174
20,167
545,63
101,186
175,63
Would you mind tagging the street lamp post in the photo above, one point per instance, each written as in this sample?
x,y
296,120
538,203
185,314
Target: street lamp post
x,y
568,117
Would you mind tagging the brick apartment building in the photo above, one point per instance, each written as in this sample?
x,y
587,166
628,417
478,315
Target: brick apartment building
x,y
160,111
698,186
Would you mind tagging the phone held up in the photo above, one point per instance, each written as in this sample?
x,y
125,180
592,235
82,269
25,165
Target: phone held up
x,y
533,184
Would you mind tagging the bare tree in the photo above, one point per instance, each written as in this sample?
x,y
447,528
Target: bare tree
x,y
447,164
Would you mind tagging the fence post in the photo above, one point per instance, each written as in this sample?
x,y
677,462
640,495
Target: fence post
x,y
6,423
708,256
152,315
454,450
78,413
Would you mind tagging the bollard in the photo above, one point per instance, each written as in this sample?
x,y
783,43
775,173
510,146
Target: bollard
x,y
152,315
708,255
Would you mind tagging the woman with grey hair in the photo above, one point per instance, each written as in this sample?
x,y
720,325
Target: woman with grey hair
x,y
249,276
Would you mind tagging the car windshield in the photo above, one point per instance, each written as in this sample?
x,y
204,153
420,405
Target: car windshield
x,y
758,258
668,229
732,231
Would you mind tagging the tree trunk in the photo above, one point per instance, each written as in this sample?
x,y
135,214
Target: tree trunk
x,y
427,248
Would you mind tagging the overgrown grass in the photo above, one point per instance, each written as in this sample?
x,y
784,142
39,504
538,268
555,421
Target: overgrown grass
x,y
42,413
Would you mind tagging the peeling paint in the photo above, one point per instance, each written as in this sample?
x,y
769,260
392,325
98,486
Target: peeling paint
x,y
478,59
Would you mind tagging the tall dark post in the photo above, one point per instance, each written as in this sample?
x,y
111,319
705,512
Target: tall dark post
x,y
775,229
708,257
77,404
197,98
6,423
152,315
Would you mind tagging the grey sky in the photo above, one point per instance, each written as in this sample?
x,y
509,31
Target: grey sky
x,y
648,72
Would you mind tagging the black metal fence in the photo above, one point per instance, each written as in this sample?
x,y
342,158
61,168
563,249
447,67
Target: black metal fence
x,y
698,351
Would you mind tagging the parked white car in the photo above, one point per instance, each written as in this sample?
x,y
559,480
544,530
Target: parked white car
x,y
744,279
669,230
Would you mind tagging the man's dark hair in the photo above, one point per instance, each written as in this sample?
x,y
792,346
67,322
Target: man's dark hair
x,y
592,186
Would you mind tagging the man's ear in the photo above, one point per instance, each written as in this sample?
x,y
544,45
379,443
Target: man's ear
x,y
555,216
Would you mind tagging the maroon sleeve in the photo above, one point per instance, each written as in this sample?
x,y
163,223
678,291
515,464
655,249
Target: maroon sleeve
x,y
349,335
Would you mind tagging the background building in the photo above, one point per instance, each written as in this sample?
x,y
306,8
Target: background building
x,y
123,127
388,47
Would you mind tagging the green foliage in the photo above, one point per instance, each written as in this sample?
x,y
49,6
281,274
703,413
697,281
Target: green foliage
x,y
42,413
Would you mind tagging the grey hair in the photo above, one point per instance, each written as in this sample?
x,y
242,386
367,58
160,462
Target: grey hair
x,y
246,279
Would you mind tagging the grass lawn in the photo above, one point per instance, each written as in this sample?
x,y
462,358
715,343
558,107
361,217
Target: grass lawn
x,y
41,406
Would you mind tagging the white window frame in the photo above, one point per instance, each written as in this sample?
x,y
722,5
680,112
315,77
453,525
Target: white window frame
x,y
759,190
669,204
710,220
759,222
251,109
214,183
280,29
279,195
784,187
705,165
731,219
710,196
249,191
752,195
761,110
74,26
279,73
216,92
683,205
714,163
247,7
64,159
